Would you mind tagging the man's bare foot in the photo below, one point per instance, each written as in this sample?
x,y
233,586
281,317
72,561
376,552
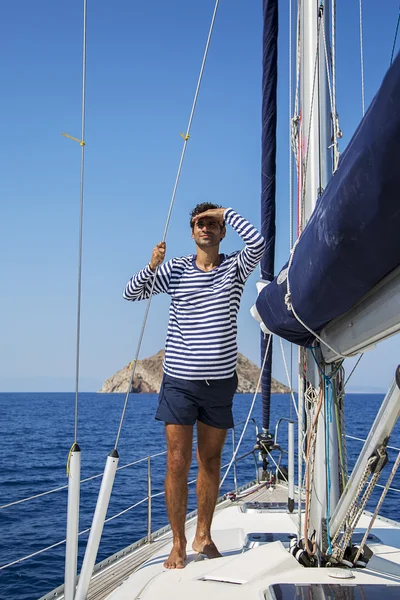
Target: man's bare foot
x,y
206,546
177,557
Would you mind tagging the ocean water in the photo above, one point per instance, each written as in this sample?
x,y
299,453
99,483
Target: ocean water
x,y
36,432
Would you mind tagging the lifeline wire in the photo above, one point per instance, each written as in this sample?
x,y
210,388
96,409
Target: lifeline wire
x,y
64,487
185,140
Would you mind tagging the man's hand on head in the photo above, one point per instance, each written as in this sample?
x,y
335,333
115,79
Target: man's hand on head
x,y
158,255
214,213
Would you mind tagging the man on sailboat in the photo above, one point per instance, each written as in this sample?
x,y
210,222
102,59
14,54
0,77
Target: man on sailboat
x,y
200,360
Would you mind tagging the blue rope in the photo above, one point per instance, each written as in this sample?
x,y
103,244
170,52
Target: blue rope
x,y
328,419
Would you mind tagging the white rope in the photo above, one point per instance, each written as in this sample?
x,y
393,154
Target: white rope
x,y
249,413
185,141
289,304
362,60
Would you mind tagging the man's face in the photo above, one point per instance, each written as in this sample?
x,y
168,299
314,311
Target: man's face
x,y
208,232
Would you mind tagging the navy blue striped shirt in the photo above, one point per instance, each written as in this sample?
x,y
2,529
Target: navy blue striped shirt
x,y
202,329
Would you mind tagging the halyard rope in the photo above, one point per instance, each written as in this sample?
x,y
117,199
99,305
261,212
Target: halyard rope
x,y
185,141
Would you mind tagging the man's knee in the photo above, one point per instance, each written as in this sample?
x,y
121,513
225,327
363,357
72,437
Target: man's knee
x,y
209,462
178,463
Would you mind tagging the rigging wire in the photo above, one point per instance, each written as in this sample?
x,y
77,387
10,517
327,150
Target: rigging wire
x,y
80,244
332,92
362,59
186,137
395,37
311,111
249,413
353,369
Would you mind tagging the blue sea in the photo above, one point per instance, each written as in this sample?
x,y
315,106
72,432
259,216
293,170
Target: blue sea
x,y
36,433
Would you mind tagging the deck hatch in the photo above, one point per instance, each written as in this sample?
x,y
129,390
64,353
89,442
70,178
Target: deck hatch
x,y
322,591
248,507
258,539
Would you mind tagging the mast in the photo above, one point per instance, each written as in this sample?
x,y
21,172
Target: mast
x,y
315,160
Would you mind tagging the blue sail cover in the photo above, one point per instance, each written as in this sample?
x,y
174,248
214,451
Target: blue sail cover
x,y
352,239
268,173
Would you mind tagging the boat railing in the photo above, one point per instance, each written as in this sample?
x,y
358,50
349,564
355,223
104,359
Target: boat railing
x,y
150,496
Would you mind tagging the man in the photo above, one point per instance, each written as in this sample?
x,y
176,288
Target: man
x,y
200,360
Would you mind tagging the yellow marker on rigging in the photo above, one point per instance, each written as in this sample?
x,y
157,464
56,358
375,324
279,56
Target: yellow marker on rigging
x,y
185,136
81,142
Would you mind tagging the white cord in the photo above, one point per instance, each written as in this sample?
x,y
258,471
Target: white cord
x,y
289,304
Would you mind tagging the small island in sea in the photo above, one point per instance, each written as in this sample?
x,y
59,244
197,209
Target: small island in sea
x,y
148,376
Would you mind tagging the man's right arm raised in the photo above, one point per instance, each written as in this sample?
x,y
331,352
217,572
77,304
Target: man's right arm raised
x,y
140,285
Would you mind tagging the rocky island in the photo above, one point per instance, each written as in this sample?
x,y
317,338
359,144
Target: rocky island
x,y
148,376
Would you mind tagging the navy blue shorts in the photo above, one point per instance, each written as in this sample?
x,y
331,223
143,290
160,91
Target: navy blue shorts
x,y
183,402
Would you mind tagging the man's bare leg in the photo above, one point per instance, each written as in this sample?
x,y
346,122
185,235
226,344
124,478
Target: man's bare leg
x,y
179,456
210,442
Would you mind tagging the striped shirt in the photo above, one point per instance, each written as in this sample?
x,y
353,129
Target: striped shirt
x,y
202,329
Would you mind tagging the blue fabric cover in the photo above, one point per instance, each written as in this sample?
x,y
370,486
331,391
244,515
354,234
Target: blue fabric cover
x,y
352,239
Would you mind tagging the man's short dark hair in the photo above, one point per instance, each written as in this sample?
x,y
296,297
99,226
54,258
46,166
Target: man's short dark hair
x,y
200,208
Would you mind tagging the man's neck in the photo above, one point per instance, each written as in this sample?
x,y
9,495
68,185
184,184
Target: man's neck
x,y
207,260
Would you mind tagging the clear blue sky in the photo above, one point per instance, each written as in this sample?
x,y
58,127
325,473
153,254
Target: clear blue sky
x,y
142,66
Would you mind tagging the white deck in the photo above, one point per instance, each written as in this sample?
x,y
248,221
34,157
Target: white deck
x,y
238,573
